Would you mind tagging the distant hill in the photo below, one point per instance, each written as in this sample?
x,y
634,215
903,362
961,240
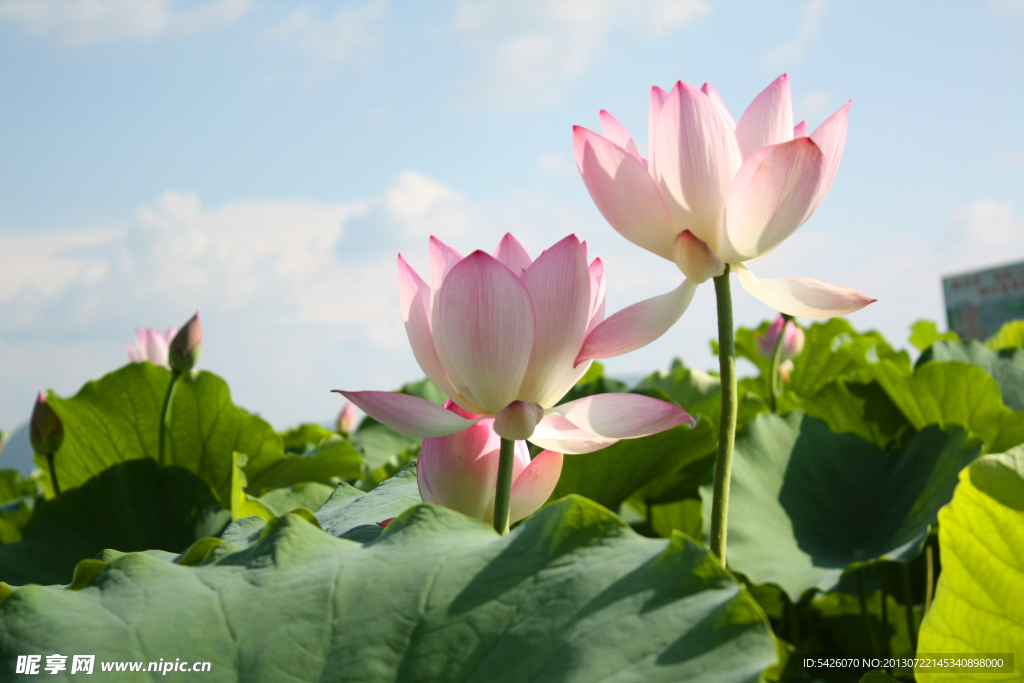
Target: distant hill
x,y
17,453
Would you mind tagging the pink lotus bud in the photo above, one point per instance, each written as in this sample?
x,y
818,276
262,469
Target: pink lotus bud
x,y
46,430
346,419
384,522
150,345
792,342
460,471
184,348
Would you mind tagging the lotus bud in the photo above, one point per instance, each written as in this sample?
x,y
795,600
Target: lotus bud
x,y
184,350
346,419
792,342
46,430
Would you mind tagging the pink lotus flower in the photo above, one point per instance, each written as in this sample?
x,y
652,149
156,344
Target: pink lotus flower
x,y
501,335
346,423
459,471
713,192
792,341
151,345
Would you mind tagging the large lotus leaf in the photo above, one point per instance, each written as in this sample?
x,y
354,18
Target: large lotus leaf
x,y
952,393
979,599
861,408
610,475
1006,365
572,594
117,418
346,512
834,349
333,459
924,333
304,437
807,503
1009,336
378,442
135,505
18,496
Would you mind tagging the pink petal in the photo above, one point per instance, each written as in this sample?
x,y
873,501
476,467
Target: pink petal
x,y
638,325
140,343
559,434
658,97
512,255
133,355
559,286
616,133
800,130
768,120
169,334
693,257
517,420
408,414
801,296
483,330
831,138
713,95
460,471
770,198
597,294
696,158
624,192
533,487
567,381
442,259
623,416
414,296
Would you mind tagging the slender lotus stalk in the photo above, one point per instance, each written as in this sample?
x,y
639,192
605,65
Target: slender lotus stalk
x,y
727,426
182,354
46,432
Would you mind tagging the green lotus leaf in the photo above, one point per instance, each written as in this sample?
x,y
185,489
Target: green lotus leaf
x,y
849,407
333,459
979,600
952,393
924,333
117,418
572,594
1006,366
131,506
807,504
1009,336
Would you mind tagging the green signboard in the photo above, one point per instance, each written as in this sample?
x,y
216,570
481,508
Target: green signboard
x,y
978,303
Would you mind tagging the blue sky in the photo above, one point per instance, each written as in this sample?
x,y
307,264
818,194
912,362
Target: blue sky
x,y
264,162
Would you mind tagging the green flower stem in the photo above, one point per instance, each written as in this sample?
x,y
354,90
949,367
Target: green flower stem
x,y
503,490
863,590
775,378
908,604
929,585
885,610
53,474
727,426
165,417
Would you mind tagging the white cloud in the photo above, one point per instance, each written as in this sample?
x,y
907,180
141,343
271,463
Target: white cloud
x,y
529,51
553,164
350,35
1006,5
794,51
84,22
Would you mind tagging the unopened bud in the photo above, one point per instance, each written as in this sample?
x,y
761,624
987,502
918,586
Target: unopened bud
x,y
792,342
347,419
45,430
184,350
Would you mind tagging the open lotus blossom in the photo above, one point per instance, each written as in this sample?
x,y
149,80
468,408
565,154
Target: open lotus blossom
x,y
500,335
792,343
712,192
459,471
151,345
